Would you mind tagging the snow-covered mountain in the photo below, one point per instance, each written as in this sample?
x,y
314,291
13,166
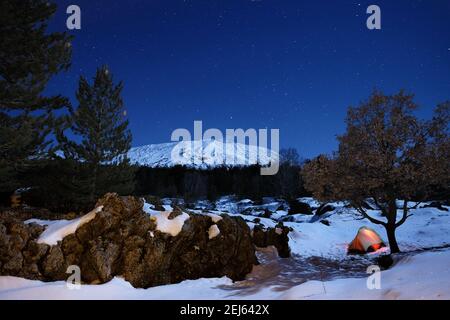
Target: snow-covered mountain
x,y
200,154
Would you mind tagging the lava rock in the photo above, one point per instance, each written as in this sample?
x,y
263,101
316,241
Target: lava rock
x,y
266,214
54,265
324,208
277,237
385,261
299,207
122,240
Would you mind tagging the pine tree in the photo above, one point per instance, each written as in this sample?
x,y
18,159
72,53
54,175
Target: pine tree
x,y
29,57
105,138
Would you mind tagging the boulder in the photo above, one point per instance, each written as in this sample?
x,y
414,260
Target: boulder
x,y
299,207
385,261
266,213
277,237
54,265
123,240
162,259
324,208
18,253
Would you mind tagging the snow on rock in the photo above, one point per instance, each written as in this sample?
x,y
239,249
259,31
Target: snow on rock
x,y
213,231
214,217
227,204
163,223
58,229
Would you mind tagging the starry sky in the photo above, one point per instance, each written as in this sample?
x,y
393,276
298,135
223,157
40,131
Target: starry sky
x,y
292,65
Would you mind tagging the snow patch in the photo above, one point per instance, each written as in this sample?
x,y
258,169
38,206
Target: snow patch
x,y
163,223
214,217
213,231
58,229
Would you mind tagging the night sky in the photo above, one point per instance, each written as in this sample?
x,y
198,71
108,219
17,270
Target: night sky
x,y
292,65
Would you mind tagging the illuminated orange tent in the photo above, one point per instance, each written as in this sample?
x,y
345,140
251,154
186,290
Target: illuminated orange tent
x,y
367,240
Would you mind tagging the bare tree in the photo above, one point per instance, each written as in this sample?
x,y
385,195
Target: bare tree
x,y
386,154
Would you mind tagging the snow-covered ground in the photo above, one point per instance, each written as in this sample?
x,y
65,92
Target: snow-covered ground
x,y
426,228
423,276
318,269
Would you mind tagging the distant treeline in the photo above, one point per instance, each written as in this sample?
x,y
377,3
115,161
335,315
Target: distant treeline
x,y
245,182
62,185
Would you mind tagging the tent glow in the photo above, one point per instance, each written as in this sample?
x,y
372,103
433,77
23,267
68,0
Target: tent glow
x,y
366,240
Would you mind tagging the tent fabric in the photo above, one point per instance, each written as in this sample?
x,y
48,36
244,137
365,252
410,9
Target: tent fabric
x,y
366,240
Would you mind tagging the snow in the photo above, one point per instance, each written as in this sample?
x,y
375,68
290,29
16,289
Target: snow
x,y
12,288
170,226
214,217
213,231
58,229
427,227
417,274
313,203
423,276
163,223
206,154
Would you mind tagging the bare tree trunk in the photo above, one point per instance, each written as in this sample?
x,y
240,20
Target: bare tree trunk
x,y
390,231
391,226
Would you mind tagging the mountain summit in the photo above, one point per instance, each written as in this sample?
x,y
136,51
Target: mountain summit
x,y
200,154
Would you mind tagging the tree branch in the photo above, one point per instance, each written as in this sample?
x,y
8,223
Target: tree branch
x,y
405,214
415,206
380,207
371,219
